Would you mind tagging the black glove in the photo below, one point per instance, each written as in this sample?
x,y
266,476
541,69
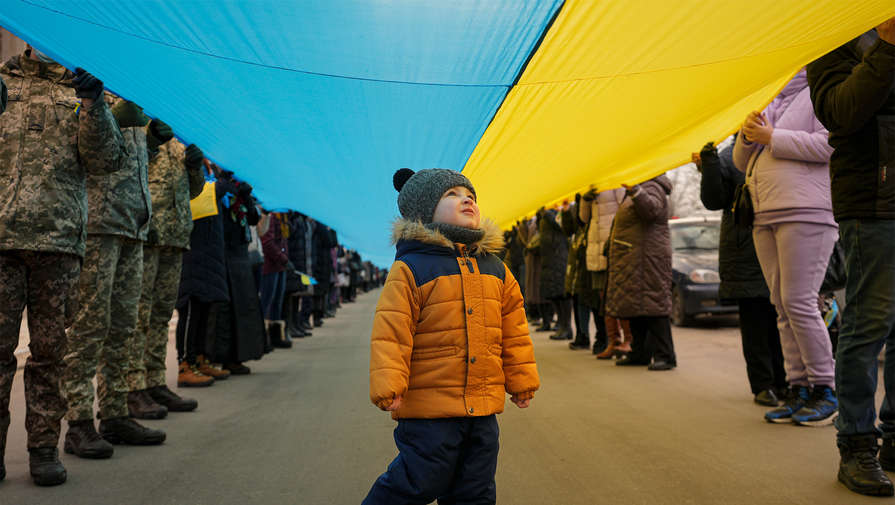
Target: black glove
x,y
244,189
86,85
709,153
128,114
194,157
160,130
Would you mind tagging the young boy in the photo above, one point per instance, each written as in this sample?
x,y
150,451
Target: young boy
x,y
450,339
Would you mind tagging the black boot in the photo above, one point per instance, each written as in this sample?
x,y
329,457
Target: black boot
x,y
276,336
582,339
83,441
171,400
46,469
887,452
4,428
859,469
143,406
124,430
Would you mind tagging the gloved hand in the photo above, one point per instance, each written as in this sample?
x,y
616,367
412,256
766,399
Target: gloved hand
x,y
194,157
709,153
160,130
128,114
86,85
244,189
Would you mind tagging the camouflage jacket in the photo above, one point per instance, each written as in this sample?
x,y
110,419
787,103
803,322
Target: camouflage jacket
x,y
47,149
119,203
172,187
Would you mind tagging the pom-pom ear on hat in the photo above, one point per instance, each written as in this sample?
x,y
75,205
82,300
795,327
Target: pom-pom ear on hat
x,y
401,177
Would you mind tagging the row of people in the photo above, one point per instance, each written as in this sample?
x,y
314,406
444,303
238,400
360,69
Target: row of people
x,y
100,241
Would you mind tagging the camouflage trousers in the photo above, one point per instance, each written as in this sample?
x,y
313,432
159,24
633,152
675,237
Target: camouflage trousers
x,y
41,282
109,295
161,279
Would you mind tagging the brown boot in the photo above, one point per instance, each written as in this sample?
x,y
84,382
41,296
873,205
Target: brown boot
x,y
206,368
190,377
613,335
625,346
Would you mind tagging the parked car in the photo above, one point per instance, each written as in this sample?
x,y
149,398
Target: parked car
x,y
694,264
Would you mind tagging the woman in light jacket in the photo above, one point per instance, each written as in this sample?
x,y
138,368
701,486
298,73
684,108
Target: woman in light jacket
x,y
785,155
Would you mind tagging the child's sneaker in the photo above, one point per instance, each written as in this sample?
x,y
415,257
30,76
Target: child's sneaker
x,y
820,409
798,398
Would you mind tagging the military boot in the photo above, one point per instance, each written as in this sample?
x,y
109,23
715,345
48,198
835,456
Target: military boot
x,y
859,469
124,430
142,406
46,469
4,428
83,441
171,400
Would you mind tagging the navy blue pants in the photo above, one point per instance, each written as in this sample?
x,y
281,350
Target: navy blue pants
x,y
452,460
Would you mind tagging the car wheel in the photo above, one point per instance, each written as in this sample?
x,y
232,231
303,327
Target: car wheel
x,y
679,315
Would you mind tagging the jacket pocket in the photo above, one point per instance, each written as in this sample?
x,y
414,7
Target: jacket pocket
x,y
886,169
433,353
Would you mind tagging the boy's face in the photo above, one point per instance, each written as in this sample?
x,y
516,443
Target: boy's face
x,y
457,207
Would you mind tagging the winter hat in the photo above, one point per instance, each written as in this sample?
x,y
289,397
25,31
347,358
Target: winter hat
x,y
420,192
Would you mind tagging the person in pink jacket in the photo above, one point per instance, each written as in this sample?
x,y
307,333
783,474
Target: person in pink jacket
x,y
785,155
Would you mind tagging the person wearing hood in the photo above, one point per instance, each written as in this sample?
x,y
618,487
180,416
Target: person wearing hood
x,y
785,155
742,281
853,91
639,285
449,342
57,129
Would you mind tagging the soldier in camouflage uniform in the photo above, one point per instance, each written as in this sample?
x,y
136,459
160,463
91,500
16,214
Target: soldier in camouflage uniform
x,y
175,177
109,288
48,145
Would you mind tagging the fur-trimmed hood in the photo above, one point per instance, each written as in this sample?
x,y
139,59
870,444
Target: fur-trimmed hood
x,y
491,242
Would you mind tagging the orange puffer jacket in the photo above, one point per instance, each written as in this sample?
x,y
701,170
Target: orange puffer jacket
x,y
449,333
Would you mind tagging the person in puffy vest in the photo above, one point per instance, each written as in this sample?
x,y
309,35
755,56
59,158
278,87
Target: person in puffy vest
x,y
450,340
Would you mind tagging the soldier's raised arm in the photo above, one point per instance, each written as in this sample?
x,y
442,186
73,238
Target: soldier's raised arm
x,y
100,144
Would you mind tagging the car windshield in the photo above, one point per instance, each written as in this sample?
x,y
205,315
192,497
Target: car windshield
x,y
701,236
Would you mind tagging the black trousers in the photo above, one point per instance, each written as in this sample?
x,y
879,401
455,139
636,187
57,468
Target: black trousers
x,y
651,339
195,329
761,344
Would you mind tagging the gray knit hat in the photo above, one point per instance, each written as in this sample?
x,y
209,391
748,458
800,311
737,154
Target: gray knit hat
x,y
420,192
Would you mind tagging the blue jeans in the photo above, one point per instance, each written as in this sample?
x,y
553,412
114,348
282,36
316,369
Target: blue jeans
x,y
868,320
453,460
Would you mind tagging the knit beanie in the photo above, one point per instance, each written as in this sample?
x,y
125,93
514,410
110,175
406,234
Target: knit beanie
x,y
420,192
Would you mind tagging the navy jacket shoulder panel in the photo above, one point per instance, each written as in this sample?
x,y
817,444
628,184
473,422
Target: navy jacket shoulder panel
x,y
428,267
491,265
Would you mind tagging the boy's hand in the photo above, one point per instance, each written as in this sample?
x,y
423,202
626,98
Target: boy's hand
x,y
522,404
396,404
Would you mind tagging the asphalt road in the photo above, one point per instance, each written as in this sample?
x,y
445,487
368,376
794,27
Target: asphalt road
x,y
301,430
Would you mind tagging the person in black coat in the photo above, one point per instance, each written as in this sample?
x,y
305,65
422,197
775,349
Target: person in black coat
x,y
853,92
323,270
240,324
203,287
742,280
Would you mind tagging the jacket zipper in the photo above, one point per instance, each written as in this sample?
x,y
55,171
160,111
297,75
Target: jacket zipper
x,y
466,259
